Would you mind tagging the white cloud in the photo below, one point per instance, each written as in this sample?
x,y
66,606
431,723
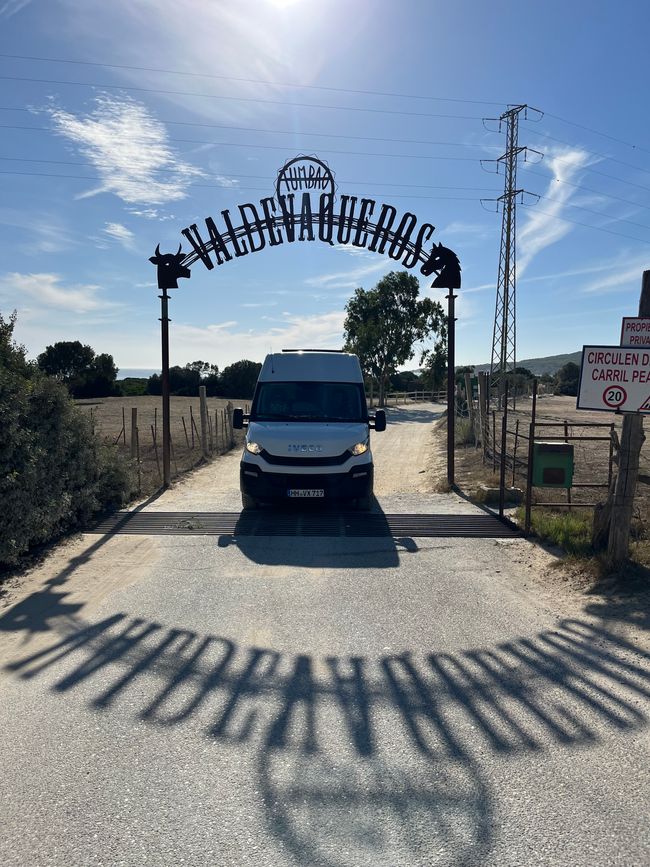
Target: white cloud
x,y
47,290
151,214
543,227
129,149
620,278
12,7
226,344
224,181
41,233
349,279
468,232
120,233
358,252
623,270
481,288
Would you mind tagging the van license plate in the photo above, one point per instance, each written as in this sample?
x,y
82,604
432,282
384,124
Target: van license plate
x,y
306,492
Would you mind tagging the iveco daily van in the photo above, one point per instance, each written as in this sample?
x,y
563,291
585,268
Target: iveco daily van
x,y
308,430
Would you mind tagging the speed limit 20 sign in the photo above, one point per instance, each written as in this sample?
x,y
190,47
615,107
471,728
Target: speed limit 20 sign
x,y
614,378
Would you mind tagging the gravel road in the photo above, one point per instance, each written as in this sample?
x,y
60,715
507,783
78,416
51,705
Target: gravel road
x,y
340,702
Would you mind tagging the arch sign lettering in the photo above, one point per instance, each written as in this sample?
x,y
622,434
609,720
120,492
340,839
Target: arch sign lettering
x,y
307,207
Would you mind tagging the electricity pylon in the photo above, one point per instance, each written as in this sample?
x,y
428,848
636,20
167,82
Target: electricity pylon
x,y
504,336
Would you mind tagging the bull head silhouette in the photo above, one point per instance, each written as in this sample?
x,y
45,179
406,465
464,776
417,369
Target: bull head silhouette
x,y
169,268
445,262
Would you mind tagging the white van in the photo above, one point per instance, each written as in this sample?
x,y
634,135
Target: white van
x,y
308,430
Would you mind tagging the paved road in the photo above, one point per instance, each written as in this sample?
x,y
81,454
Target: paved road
x,y
336,702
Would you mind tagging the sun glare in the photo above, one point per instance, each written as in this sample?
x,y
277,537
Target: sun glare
x,y
282,4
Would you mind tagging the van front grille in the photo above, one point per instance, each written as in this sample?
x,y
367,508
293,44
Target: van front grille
x,y
299,461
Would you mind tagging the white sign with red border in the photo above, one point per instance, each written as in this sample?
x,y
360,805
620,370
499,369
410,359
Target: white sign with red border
x,y
635,332
615,378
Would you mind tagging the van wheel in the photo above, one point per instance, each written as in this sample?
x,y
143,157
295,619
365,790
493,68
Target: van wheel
x,y
364,504
248,502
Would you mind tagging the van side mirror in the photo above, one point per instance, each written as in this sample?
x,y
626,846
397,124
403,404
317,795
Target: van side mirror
x,y
238,418
380,420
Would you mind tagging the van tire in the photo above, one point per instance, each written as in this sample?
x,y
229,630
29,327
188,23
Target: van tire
x,y
248,503
364,504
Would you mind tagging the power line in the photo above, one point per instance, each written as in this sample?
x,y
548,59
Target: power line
x,y
362,183
126,182
586,189
589,226
595,172
598,132
596,153
326,150
260,189
277,132
256,177
248,80
597,213
136,89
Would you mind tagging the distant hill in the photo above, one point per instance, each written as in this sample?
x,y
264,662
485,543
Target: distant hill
x,y
540,366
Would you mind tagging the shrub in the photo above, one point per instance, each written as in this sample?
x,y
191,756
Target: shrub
x,y
54,473
463,432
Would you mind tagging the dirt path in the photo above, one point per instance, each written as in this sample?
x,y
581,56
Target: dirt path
x,y
405,462
405,458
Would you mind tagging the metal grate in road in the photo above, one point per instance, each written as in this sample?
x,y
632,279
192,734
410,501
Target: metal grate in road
x,y
311,524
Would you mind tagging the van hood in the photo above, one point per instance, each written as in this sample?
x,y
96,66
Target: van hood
x,y
309,439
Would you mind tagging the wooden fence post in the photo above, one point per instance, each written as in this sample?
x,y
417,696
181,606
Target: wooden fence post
x,y
229,411
204,421
470,404
632,438
134,431
155,448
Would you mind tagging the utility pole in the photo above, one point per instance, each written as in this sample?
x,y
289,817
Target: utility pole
x,y
504,336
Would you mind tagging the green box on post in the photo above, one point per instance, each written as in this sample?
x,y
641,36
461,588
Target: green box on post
x,y
552,465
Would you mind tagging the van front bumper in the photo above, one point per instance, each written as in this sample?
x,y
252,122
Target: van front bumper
x,y
261,485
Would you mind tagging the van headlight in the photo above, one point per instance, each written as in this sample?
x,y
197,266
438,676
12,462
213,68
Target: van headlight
x,y
359,448
253,448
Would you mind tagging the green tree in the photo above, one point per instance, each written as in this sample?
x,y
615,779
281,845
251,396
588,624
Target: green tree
x,y
54,473
567,379
238,379
383,325
78,367
202,367
182,380
132,386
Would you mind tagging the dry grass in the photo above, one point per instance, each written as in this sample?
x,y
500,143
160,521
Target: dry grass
x,y
591,467
109,413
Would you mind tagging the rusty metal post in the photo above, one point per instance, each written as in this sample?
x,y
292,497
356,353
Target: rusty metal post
x,y
451,386
164,329
502,468
529,469
514,453
566,440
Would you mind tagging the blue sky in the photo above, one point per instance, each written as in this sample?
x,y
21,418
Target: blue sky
x,y
118,159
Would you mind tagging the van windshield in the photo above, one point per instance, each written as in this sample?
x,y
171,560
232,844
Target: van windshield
x,y
309,401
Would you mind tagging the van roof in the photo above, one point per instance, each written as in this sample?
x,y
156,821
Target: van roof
x,y
311,365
